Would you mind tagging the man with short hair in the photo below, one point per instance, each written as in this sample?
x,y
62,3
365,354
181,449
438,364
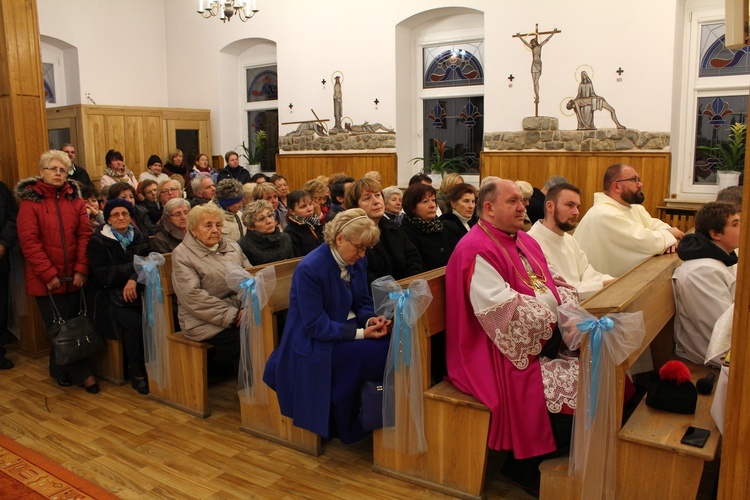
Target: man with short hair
x,y
502,340
75,172
617,233
704,284
233,170
564,255
203,190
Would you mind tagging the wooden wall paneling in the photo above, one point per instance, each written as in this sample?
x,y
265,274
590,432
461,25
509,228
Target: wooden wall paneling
x,y
24,124
299,168
585,170
114,134
137,154
153,138
95,143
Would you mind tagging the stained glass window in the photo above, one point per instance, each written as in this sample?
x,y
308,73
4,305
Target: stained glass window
x,y
453,65
262,84
715,117
460,123
48,76
717,60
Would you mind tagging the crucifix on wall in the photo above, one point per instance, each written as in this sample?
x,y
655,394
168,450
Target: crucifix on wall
x,y
536,57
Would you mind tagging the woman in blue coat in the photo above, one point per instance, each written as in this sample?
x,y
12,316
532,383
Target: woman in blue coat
x,y
333,341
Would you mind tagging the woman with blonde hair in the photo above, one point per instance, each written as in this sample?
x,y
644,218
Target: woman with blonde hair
x,y
268,192
448,183
333,341
175,166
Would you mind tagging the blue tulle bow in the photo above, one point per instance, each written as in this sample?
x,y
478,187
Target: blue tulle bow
x,y
595,327
401,329
249,286
153,287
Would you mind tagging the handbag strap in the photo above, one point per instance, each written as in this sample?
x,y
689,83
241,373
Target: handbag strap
x,y
56,316
83,311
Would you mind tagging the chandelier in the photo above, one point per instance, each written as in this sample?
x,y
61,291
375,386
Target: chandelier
x,y
225,10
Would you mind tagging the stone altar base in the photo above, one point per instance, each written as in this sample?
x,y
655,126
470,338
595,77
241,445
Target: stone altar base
x,y
542,132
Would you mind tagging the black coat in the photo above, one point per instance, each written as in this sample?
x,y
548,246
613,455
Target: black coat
x,y
535,210
304,239
394,254
8,233
264,248
81,175
239,174
450,216
434,248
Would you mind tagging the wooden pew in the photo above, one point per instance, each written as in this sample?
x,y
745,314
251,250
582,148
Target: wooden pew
x,y
266,420
188,360
109,364
650,460
456,425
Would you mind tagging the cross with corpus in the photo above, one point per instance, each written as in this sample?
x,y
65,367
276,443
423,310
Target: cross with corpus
x,y
536,57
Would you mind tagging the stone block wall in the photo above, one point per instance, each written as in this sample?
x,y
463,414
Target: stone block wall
x,y
308,140
542,133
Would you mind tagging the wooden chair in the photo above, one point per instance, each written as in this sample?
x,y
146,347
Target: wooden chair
x,y
188,360
456,425
266,420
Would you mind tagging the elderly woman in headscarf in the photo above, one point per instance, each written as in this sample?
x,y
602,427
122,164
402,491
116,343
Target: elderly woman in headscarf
x,y
208,310
115,283
333,341
230,198
170,230
264,242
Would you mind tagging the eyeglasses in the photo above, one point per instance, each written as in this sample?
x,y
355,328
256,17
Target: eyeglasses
x,y
170,190
359,248
320,199
121,215
181,213
635,179
58,170
264,218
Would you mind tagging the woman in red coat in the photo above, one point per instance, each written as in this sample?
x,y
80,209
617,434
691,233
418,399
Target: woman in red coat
x,y
53,231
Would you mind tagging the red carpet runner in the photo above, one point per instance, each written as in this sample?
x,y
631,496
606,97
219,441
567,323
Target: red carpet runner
x,y
25,474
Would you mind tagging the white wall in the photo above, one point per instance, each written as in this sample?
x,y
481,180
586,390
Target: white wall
x,y
121,48
154,53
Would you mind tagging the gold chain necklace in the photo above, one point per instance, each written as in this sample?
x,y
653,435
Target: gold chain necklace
x,y
535,282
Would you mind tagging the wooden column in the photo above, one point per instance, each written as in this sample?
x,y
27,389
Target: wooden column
x,y
23,122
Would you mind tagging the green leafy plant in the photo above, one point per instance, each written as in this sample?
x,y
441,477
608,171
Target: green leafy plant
x,y
730,153
438,163
254,152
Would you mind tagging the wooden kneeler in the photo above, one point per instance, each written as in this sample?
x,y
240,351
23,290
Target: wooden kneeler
x,y
266,421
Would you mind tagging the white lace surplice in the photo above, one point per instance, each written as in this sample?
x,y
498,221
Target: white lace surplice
x,y
517,324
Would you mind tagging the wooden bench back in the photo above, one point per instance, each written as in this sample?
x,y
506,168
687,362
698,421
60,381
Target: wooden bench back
x,y
279,300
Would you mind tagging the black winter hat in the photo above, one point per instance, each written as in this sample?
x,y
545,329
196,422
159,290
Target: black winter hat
x,y
673,392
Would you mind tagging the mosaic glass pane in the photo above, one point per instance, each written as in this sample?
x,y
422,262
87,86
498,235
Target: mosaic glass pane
x,y
453,65
268,121
460,123
715,117
262,84
717,60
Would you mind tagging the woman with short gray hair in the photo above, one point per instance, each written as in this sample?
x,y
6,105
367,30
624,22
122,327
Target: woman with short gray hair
x,y
264,242
171,228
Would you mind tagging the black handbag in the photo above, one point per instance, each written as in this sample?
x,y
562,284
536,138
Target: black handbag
x,y
371,412
74,339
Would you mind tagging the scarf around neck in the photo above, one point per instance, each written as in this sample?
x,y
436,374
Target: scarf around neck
x,y
433,226
125,239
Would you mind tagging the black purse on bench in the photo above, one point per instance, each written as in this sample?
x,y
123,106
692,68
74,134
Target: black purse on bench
x,y
74,339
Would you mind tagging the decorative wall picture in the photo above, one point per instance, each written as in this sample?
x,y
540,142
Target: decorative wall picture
x,y
48,76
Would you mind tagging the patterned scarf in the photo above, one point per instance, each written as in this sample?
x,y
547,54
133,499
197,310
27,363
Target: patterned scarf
x,y
127,238
116,175
433,226
313,221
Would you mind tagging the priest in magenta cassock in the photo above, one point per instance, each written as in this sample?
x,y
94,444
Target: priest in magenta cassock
x,y
502,342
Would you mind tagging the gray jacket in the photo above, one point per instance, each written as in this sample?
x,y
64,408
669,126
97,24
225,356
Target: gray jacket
x,y
205,304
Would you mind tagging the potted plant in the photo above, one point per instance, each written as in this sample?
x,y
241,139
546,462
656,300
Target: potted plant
x,y
438,164
254,152
729,155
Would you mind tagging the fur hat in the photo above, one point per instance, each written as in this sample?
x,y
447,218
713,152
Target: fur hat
x,y
673,392
118,202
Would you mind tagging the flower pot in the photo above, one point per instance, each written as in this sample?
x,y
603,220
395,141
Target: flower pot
x,y
437,178
728,178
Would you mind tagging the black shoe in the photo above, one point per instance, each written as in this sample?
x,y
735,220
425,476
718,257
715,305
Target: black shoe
x,y
140,384
65,381
93,388
5,363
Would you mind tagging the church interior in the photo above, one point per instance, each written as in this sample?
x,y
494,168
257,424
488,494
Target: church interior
x,y
341,85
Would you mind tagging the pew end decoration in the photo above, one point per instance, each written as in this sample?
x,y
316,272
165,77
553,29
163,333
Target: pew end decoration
x,y
402,379
155,348
254,292
611,339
